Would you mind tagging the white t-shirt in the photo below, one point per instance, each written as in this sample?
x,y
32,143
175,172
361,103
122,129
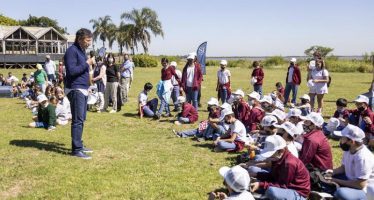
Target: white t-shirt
x,y
50,67
63,111
12,79
173,79
292,148
290,75
239,128
143,98
223,76
241,196
360,166
318,75
190,75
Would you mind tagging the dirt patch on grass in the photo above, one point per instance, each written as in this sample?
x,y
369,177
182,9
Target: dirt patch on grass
x,y
13,191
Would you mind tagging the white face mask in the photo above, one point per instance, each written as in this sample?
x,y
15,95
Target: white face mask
x,y
251,102
110,60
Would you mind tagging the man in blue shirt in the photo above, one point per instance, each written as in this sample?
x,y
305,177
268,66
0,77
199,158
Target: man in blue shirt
x,y
76,88
127,75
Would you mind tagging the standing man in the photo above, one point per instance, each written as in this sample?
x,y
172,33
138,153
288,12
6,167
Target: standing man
x,y
127,76
50,68
41,77
293,81
77,82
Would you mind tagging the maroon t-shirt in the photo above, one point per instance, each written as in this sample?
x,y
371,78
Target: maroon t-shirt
x,y
316,150
259,73
254,118
167,73
190,112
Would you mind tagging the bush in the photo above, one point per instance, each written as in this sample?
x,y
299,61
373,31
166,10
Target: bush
x,y
348,66
145,61
274,61
240,63
212,62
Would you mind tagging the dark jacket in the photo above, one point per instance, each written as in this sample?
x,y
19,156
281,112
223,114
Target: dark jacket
x,y
47,115
198,77
296,76
77,69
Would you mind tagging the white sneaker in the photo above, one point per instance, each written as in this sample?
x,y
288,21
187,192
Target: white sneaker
x,y
177,123
112,111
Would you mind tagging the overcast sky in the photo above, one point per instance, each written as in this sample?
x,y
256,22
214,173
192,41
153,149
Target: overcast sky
x,y
232,28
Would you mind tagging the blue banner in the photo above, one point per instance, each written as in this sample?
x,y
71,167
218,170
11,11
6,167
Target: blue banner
x,y
201,56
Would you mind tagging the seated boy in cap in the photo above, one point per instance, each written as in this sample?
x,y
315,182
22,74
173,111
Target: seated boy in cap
x,y
289,132
356,174
363,117
236,180
146,108
46,117
240,107
256,113
188,115
304,105
236,139
288,178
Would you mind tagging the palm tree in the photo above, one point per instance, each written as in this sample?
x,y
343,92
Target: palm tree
x,y
145,22
101,28
125,36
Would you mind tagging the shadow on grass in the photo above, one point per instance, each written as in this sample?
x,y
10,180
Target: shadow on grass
x,y
204,145
134,115
41,145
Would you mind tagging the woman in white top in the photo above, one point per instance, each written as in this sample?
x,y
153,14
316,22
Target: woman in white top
x,y
318,79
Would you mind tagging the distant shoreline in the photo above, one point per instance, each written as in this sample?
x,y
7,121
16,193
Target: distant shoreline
x,y
285,57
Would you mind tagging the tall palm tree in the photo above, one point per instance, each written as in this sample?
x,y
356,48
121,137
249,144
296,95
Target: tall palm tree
x,y
145,22
101,28
125,36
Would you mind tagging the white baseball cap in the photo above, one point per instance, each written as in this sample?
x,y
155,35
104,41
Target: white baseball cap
x,y
362,99
290,128
48,56
332,124
294,112
293,60
254,95
31,73
225,112
225,106
41,98
223,62
181,99
173,63
352,132
39,66
279,114
315,118
236,177
239,92
213,101
305,96
191,55
268,120
266,98
272,144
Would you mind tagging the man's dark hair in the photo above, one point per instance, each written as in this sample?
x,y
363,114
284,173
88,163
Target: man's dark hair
x,y
164,60
148,86
279,84
341,102
82,33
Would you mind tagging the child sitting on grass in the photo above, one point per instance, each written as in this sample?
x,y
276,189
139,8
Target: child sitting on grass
x,y
237,181
146,108
188,115
304,106
46,117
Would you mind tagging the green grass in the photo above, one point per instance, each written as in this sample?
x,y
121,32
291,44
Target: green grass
x,y
133,158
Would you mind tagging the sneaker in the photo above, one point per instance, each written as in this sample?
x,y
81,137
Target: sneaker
x,y
177,123
82,155
166,115
112,111
98,111
156,116
87,150
200,139
176,133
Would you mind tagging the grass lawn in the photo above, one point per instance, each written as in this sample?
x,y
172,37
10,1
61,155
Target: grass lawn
x,y
133,158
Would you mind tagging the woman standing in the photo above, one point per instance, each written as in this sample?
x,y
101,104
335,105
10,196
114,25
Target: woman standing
x,y
257,77
318,79
99,79
165,87
191,79
113,76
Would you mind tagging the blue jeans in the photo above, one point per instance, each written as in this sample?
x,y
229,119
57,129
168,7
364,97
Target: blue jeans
x,y
223,95
283,194
51,77
41,125
345,193
211,133
43,87
183,120
78,106
189,133
174,96
164,106
191,97
223,145
258,88
290,87
150,109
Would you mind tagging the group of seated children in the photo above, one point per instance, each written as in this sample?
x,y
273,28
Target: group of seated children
x,y
285,148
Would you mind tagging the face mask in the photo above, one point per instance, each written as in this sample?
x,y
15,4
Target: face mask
x,y
251,102
341,110
361,109
222,68
304,101
110,60
345,146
